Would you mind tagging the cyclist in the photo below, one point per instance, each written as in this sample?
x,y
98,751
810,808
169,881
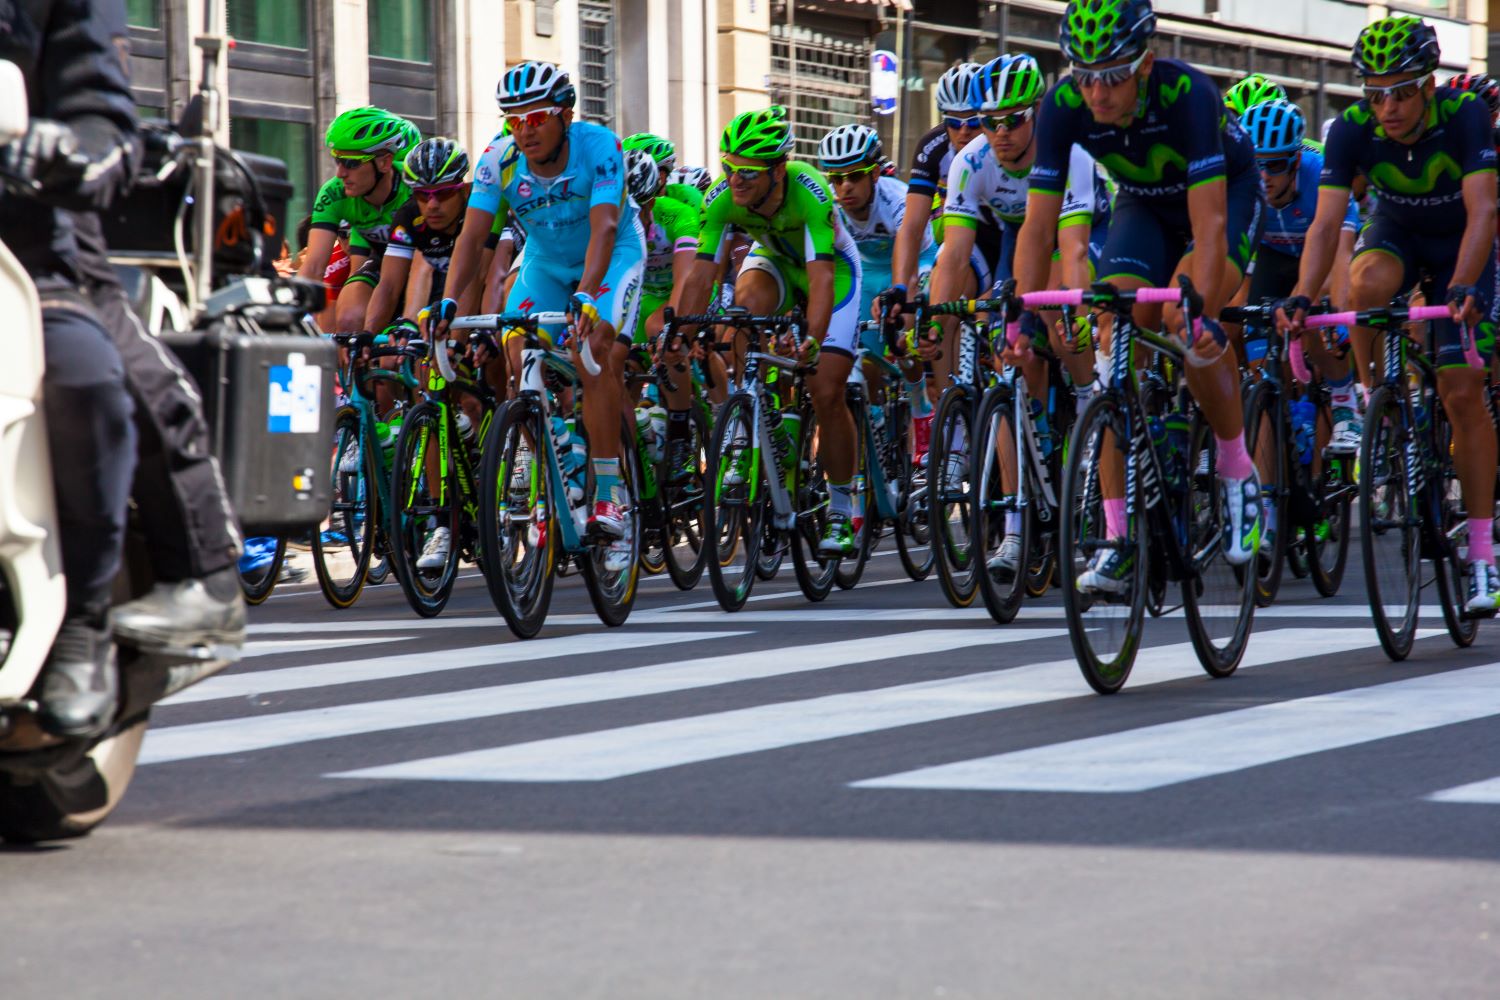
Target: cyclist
x,y
1252,90
671,246
928,180
694,177
870,208
801,254
1189,202
665,154
565,182
1429,156
366,191
990,176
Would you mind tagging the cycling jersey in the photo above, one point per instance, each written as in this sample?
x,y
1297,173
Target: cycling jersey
x,y
674,228
336,272
875,236
1286,227
929,166
804,228
980,189
1180,139
684,194
555,210
369,225
410,233
1420,186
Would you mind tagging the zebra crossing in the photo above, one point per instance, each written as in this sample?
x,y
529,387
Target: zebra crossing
x,y
802,679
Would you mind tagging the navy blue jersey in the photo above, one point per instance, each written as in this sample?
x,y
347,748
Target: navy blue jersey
x,y
1286,227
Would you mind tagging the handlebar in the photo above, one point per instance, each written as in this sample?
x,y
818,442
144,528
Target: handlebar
x,y
1385,316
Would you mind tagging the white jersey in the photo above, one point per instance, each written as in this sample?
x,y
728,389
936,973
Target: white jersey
x,y
876,234
980,190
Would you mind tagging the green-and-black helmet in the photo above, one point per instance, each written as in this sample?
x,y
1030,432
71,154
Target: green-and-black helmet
x,y
1252,90
434,163
1401,44
1008,81
661,150
1096,31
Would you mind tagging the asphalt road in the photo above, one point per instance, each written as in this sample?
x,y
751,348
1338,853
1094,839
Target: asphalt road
x,y
877,796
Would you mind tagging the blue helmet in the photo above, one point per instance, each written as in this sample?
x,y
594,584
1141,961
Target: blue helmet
x,y
848,145
1008,81
1276,127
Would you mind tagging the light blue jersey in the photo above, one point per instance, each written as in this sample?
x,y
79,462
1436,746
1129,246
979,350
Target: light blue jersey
x,y
555,210
1286,228
875,236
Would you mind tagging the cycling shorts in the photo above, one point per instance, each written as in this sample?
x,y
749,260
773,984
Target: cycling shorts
x,y
1146,245
368,273
544,285
1011,231
649,304
1429,261
984,261
791,285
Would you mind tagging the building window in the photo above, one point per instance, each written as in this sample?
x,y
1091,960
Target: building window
x,y
596,61
270,22
143,13
401,29
290,142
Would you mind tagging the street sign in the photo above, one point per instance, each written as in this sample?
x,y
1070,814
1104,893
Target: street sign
x,y
884,82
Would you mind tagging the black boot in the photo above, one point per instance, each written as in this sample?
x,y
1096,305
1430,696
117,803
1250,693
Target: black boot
x,y
207,612
80,685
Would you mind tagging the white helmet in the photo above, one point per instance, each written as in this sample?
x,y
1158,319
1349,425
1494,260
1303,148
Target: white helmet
x,y
530,82
848,144
954,85
641,176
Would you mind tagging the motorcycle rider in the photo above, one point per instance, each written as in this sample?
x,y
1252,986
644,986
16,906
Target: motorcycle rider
x,y
78,154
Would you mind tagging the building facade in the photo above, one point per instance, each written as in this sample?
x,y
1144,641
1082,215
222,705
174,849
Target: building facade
x,y
684,67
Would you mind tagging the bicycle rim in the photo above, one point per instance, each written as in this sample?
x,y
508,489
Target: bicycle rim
x,y
258,584
1218,598
341,553
948,498
612,592
814,572
1328,535
1389,540
517,529
866,526
1002,592
1105,630
418,508
734,518
685,524
1265,436
1453,543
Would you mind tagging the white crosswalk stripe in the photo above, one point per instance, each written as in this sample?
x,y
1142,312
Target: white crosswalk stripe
x,y
242,735
1156,756
1485,792
652,746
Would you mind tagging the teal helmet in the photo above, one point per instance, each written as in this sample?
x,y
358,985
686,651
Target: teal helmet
x,y
1276,127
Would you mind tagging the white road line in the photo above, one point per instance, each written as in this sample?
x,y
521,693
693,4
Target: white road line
x,y
807,614
428,661
1485,792
1175,752
615,753
255,649
232,736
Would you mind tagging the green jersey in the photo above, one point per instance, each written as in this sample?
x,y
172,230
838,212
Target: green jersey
x,y
369,225
686,194
673,228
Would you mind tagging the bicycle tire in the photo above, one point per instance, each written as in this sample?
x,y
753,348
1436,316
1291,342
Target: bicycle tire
x,y
949,512
1214,587
737,512
814,572
257,586
1104,632
683,512
1385,515
850,569
414,509
1327,556
1265,436
996,422
1448,565
612,593
354,514
517,531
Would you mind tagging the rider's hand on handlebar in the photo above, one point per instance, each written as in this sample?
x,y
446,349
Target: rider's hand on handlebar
x,y
440,316
585,315
1290,313
1463,304
930,342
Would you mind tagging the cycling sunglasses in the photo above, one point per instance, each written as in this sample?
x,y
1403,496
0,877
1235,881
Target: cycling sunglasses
x,y
1275,165
1112,77
1399,91
750,173
973,121
1010,122
837,177
440,193
352,161
532,119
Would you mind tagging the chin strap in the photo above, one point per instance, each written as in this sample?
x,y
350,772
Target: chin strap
x,y
774,185
558,151
1022,155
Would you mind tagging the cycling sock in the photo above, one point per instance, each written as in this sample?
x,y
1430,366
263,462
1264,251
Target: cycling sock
x,y
1342,393
606,478
1481,541
1114,517
677,425
841,498
1267,513
1012,522
1234,460
959,440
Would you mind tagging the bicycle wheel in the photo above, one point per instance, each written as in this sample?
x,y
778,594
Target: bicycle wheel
x,y
949,514
1449,547
993,507
258,583
341,553
1265,434
1328,533
814,571
419,508
1390,541
1218,599
1104,629
865,528
612,592
734,521
683,514
913,544
517,529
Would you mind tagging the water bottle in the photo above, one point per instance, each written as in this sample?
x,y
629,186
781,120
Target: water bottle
x,y
787,433
1304,429
877,421
857,489
386,433
572,457
465,429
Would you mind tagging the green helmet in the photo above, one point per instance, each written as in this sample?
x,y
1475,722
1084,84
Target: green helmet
x,y
371,130
1252,90
661,150
1008,81
758,135
1095,31
1396,45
